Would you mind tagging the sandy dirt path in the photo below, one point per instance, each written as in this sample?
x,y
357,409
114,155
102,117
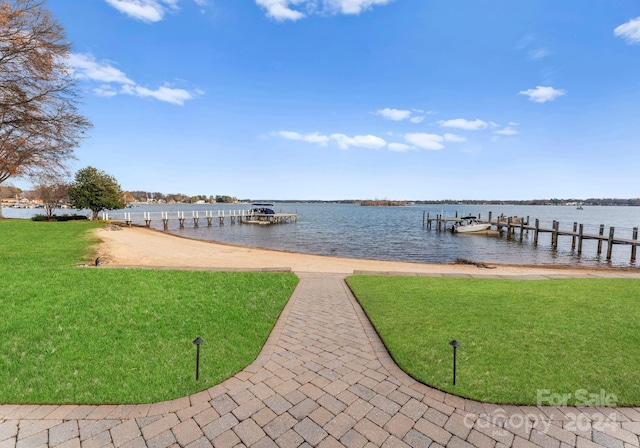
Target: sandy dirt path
x,y
150,248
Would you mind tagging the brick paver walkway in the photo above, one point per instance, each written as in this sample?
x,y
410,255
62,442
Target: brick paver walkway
x,y
323,379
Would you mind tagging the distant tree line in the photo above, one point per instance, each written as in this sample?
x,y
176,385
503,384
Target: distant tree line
x,y
147,196
552,201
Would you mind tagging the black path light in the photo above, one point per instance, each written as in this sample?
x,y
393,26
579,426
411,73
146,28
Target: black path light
x,y
455,344
197,341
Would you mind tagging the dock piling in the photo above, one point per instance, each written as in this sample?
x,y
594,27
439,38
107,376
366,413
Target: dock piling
x,y
580,233
610,243
600,233
633,247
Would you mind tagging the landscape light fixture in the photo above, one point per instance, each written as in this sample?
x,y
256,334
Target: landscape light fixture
x,y
455,344
197,341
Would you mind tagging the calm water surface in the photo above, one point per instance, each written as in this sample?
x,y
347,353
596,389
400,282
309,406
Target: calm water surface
x,y
396,233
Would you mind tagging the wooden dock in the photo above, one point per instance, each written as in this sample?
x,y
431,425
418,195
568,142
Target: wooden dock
x,y
522,226
210,216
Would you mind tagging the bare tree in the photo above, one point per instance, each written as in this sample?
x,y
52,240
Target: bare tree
x,y
39,120
53,192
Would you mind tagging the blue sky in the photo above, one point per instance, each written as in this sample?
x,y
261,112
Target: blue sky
x,y
334,99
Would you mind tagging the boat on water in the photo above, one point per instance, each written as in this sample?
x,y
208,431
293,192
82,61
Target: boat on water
x,y
470,224
260,213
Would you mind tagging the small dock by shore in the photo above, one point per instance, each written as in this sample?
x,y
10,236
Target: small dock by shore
x,y
208,216
512,225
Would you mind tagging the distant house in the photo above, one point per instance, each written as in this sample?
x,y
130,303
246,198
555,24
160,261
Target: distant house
x,y
128,198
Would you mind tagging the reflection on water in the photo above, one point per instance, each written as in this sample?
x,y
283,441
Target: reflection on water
x,y
396,233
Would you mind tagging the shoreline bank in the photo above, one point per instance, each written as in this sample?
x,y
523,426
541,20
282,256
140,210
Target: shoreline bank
x,y
142,247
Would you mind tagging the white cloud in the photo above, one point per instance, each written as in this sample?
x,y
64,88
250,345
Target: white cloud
x,y
145,10
539,53
506,131
394,114
629,31
315,137
85,67
543,94
361,141
279,9
454,138
400,147
467,125
400,115
282,10
353,6
343,141
425,141
105,90
164,93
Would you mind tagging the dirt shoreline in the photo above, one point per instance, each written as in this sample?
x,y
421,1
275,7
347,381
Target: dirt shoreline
x,y
142,247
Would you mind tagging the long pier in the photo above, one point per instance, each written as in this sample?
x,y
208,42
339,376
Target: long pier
x,y
523,225
232,216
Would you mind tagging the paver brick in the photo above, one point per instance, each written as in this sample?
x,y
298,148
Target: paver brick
x,y
358,409
303,409
434,432
223,404
162,440
263,416
278,404
321,416
310,431
249,432
218,426
339,425
155,428
290,439
124,433
399,425
187,432
371,431
353,439
279,425
8,430
227,439
202,442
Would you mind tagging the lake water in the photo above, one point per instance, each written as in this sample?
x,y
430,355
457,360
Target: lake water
x,y
397,233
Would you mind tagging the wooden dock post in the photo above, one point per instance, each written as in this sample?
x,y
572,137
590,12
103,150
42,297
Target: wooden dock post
x,y
521,229
634,246
610,243
573,237
536,232
456,215
580,233
554,234
147,219
165,220
489,217
600,239
509,227
423,216
181,219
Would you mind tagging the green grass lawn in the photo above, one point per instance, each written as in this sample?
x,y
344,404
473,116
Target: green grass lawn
x,y
79,335
573,337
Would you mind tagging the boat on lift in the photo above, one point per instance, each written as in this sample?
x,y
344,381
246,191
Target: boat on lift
x,y
470,224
